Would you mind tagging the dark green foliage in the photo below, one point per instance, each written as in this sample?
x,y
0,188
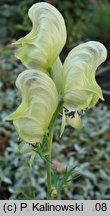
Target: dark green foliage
x,y
98,23
83,19
75,13
14,21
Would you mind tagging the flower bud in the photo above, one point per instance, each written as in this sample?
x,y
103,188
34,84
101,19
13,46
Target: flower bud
x,y
54,193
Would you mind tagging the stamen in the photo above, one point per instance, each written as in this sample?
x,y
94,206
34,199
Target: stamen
x,y
72,113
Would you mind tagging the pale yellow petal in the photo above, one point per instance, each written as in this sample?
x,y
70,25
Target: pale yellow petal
x,y
75,122
80,89
41,47
56,74
39,102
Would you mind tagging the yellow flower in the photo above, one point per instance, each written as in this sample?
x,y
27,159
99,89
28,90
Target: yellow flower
x,y
73,82
40,48
79,87
39,102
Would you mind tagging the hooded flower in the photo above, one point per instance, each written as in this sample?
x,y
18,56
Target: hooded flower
x,y
74,81
39,102
80,89
40,48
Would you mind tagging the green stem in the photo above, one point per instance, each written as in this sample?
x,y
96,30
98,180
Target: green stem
x,y
49,146
49,163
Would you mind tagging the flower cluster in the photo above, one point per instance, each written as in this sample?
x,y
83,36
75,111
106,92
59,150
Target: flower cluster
x,y
46,80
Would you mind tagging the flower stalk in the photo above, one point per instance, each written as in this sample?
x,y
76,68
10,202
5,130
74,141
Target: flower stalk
x,y
49,145
49,149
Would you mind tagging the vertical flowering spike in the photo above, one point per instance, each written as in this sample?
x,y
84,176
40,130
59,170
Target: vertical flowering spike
x,y
39,102
80,89
41,47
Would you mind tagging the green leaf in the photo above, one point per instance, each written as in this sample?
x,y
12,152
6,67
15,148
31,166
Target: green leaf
x,y
59,181
73,173
32,159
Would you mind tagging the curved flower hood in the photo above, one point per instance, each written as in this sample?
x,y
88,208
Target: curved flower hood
x,y
39,102
41,47
48,81
80,89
